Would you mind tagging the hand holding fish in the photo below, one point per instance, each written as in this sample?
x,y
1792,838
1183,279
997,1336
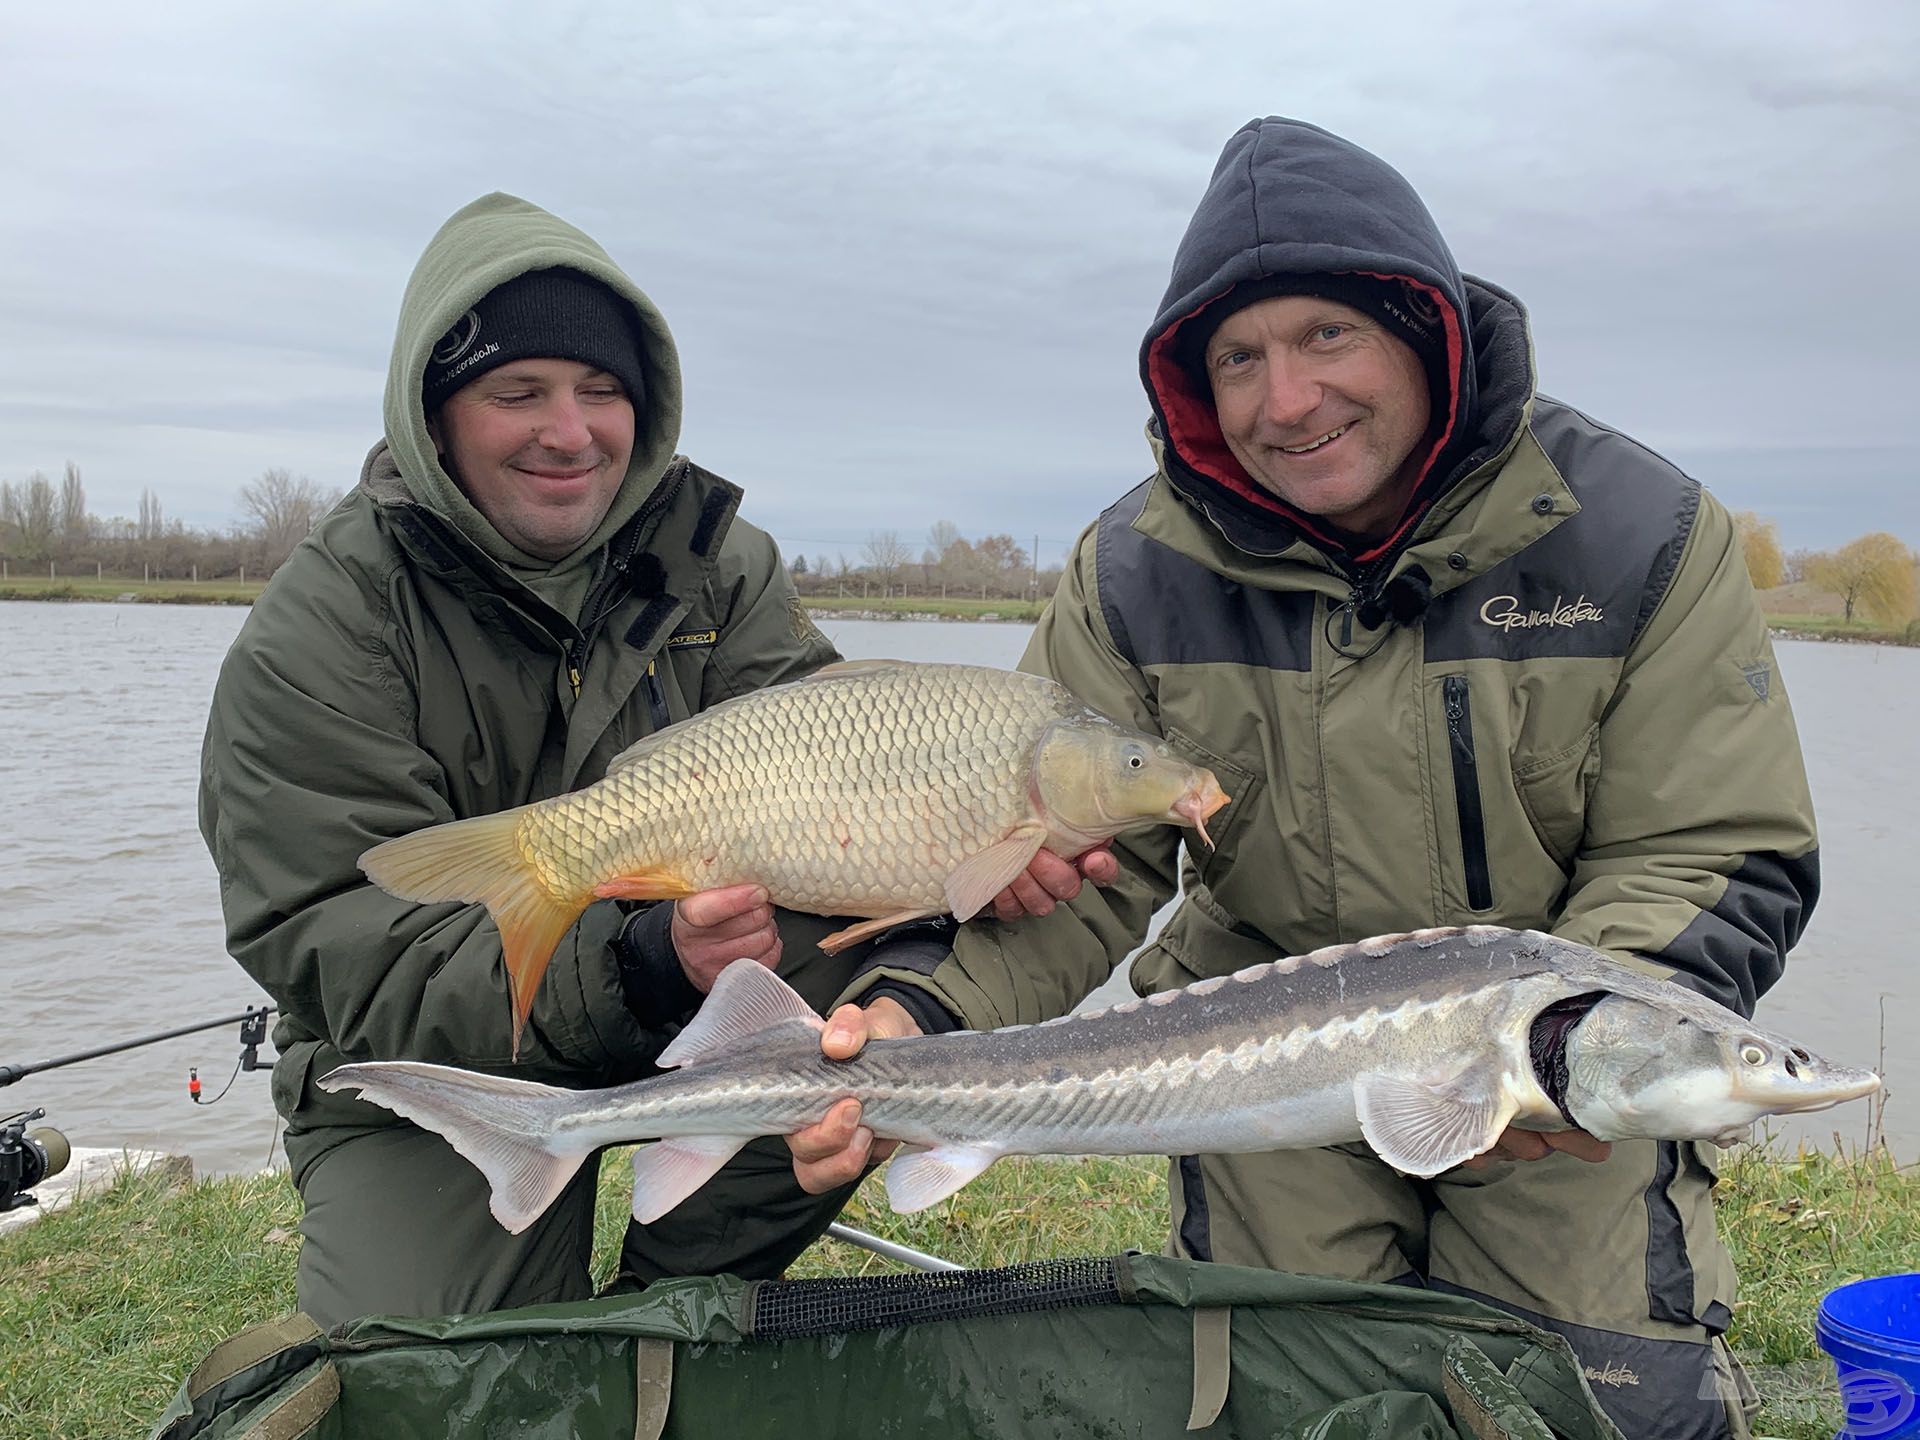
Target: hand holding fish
x,y
713,928
837,1150
1051,879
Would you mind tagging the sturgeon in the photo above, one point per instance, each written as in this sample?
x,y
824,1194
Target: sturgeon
x,y
1423,1044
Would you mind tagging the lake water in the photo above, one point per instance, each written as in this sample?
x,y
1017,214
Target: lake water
x,y
109,910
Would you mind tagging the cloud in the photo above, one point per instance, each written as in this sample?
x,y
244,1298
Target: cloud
x,y
909,256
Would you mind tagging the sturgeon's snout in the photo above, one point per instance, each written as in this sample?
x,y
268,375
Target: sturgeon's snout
x,y
1202,799
1811,1084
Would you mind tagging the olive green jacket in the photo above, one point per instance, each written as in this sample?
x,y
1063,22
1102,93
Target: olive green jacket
x,y
1549,700
393,675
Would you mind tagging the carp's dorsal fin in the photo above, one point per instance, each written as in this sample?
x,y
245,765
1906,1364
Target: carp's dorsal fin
x,y
918,1177
978,878
840,669
1422,1127
746,999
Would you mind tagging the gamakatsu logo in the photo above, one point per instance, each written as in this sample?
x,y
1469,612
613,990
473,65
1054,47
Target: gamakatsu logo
x,y
1503,612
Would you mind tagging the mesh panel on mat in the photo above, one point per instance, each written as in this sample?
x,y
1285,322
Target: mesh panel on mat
x,y
786,1309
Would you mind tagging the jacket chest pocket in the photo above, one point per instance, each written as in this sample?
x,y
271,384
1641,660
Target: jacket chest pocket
x,y
1554,792
1243,789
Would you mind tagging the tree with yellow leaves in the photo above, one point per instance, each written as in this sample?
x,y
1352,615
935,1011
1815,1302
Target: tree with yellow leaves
x,y
1760,543
1874,573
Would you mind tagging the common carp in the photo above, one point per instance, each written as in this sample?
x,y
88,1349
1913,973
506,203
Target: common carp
x,y
1420,1044
875,788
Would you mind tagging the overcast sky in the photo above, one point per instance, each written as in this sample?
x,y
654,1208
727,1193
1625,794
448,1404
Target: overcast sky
x,y
909,251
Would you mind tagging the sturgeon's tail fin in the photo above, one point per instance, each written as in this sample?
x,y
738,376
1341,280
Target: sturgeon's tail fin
x,y
504,1128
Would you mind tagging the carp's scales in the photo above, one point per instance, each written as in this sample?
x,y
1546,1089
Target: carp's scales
x,y
881,788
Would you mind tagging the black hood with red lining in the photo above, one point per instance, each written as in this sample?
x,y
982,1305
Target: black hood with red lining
x,y
1288,198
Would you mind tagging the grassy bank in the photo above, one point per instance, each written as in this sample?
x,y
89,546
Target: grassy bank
x,y
152,592
1832,627
107,1305
926,606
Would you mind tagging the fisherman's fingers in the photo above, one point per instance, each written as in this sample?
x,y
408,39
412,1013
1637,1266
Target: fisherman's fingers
x,y
1026,896
706,909
833,1151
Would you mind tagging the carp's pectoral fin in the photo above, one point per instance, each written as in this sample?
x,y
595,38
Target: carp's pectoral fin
x,y
644,885
668,1172
1421,1128
867,929
746,999
978,878
918,1177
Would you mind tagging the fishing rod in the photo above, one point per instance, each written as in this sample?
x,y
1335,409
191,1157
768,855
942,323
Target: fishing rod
x,y
253,1031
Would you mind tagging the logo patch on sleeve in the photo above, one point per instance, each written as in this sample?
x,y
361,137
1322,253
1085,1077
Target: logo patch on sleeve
x,y
1760,677
691,639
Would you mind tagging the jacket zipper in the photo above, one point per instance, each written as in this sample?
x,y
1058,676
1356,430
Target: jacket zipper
x,y
1466,791
657,697
572,651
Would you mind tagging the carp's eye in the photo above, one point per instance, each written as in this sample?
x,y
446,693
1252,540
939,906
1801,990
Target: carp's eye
x,y
1753,1054
1135,760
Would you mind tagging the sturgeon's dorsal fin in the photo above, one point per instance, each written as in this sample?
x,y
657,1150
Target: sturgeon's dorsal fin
x,y
746,999
1422,1127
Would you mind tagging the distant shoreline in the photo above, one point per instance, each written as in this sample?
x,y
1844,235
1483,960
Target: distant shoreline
x,y
235,592
1013,611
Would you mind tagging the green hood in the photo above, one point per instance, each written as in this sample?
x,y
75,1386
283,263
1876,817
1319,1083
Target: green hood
x,y
485,244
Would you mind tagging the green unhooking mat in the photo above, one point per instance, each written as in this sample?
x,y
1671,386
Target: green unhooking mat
x,y
1132,1346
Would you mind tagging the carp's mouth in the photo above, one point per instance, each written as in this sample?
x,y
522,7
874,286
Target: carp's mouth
x,y
1203,798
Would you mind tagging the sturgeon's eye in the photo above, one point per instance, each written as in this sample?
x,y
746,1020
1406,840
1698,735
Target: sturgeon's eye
x,y
1753,1054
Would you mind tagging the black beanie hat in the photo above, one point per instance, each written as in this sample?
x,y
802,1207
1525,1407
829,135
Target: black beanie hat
x,y
1405,310
557,314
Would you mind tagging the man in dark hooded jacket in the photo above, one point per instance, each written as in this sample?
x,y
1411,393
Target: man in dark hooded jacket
x,y
1461,655
526,581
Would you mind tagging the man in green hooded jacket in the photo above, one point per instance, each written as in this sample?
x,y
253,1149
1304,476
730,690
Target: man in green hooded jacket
x,y
526,581
1461,655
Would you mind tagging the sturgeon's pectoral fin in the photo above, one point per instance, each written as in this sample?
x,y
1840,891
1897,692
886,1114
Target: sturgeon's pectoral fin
x,y
1421,1128
746,999
917,1177
668,1172
867,929
978,878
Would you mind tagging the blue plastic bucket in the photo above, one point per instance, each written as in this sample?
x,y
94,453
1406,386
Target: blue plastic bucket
x,y
1871,1328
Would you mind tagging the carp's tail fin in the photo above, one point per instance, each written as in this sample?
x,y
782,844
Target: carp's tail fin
x,y
483,860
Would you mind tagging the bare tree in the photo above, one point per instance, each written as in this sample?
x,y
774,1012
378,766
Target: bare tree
x,y
36,509
941,537
74,523
151,522
283,508
885,556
